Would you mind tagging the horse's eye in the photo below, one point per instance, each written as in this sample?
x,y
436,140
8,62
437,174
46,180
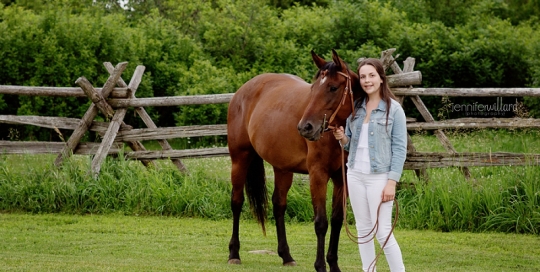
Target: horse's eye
x,y
333,88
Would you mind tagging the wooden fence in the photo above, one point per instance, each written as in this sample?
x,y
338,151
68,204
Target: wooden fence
x,y
116,97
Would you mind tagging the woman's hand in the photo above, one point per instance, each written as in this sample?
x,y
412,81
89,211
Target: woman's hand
x,y
389,191
339,133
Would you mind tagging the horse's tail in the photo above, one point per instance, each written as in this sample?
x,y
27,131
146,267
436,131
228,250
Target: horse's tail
x,y
256,190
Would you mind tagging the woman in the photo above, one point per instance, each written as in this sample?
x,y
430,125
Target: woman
x,y
376,138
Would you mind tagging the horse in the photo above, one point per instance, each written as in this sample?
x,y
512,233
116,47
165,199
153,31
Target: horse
x,y
282,119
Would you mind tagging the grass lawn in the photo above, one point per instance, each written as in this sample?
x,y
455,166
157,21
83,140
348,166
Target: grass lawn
x,y
56,242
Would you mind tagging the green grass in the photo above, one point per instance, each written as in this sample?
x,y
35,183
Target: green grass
x,y
59,242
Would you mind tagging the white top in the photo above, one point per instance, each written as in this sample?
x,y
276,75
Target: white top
x,y
361,163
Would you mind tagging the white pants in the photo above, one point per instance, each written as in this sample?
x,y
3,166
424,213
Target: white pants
x,y
365,194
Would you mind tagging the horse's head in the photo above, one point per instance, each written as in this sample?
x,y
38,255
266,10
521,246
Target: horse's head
x,y
331,99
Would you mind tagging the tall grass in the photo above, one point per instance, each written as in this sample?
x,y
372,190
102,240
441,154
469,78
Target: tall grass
x,y
502,199
126,187
508,200
122,186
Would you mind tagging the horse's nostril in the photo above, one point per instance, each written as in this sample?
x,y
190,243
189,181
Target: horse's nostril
x,y
308,127
305,128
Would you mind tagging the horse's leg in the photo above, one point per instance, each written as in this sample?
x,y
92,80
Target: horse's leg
x,y
336,221
240,163
318,181
283,181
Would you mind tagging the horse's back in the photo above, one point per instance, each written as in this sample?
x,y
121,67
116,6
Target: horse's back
x,y
263,115
268,86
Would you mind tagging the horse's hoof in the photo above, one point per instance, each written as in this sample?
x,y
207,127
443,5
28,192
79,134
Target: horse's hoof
x,y
293,263
235,261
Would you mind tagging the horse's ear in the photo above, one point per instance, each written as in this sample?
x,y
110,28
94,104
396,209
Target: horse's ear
x,y
337,60
320,62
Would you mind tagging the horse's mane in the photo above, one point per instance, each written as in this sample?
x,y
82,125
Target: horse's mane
x,y
331,67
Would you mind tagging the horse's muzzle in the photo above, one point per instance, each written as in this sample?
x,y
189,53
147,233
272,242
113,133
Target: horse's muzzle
x,y
310,131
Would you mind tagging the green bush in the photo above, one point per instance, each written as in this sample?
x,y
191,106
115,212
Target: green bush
x,y
214,47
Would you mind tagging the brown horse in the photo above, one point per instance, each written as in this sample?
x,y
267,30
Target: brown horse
x,y
264,120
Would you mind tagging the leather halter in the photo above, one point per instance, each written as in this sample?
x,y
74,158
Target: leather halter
x,y
348,90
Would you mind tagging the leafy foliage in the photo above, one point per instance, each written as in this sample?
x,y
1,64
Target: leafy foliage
x,y
210,47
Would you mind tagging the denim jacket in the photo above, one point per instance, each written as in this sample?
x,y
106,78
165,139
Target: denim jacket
x,y
387,142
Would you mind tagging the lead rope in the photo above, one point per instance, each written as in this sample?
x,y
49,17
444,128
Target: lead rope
x,y
355,238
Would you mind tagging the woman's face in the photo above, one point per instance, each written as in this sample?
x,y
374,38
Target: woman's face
x,y
370,80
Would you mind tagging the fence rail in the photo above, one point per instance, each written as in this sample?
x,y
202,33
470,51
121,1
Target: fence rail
x,y
56,91
468,92
127,133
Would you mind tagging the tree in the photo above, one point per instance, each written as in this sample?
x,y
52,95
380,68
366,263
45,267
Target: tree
x,y
522,10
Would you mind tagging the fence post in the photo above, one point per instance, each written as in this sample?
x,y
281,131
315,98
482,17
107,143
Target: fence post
x,y
148,121
89,116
